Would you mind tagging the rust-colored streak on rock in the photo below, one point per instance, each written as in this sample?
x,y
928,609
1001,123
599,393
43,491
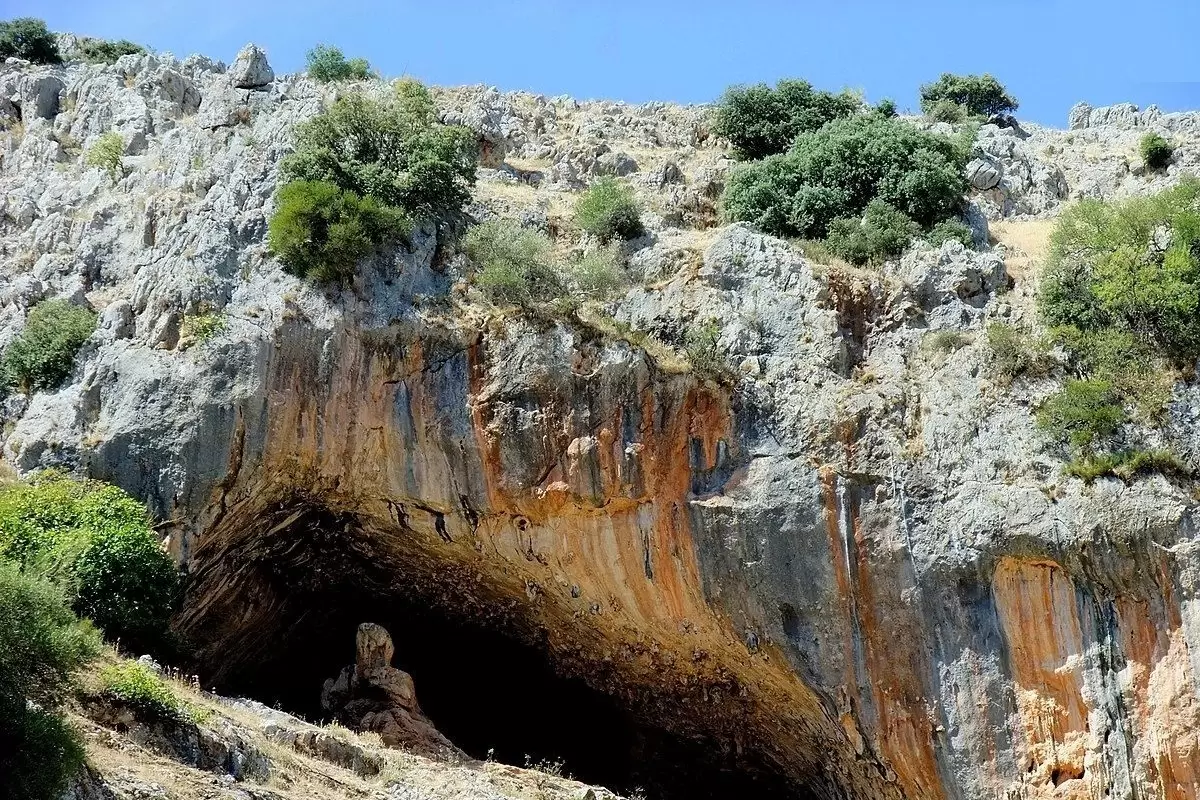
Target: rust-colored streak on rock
x,y
1036,605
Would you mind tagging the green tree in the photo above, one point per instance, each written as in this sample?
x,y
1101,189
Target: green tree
x,y
981,95
393,150
326,63
107,51
609,211
1156,151
760,121
41,645
321,232
43,353
28,38
95,540
106,154
838,170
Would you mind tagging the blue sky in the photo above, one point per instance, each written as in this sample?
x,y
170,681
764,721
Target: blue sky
x,y
1050,53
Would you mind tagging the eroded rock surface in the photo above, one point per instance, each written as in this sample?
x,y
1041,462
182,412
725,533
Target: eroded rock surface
x,y
853,564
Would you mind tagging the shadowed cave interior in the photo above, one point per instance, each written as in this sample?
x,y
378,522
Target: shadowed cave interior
x,y
492,692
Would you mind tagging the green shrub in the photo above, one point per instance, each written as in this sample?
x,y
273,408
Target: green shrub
x,y
326,63
887,108
597,274
321,232
837,171
760,121
28,38
41,645
1084,415
95,540
392,150
947,341
1156,151
701,343
947,111
106,154
1131,265
514,265
137,687
1014,353
42,355
976,94
951,230
202,327
882,233
609,211
1126,465
1128,362
107,51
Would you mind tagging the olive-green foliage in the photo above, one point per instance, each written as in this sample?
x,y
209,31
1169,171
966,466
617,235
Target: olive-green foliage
x,y
886,107
881,233
107,51
609,211
393,150
1136,371
321,232
326,63
28,38
41,645
1131,265
1015,353
1126,465
1085,415
701,343
136,686
43,353
760,121
106,154
950,230
202,327
514,265
597,274
947,111
95,540
977,94
1156,151
838,170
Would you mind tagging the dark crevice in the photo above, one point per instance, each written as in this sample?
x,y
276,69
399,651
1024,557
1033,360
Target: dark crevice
x,y
491,687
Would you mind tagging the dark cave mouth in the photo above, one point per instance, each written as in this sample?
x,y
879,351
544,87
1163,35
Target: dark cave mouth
x,y
494,693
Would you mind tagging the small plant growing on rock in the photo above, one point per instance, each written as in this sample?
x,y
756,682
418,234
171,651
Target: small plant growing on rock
x,y
950,230
514,265
609,211
1014,353
134,685
1156,151
702,344
106,154
326,64
1084,415
980,95
43,353
202,327
30,39
882,233
597,274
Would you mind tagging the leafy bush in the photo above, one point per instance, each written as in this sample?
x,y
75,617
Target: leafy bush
x,y
1014,354
1084,415
136,686
43,353
760,121
393,150
41,645
321,232
1132,265
837,171
887,108
1137,373
947,111
1156,151
597,274
28,38
609,211
106,154
1126,465
882,233
982,95
96,540
326,63
202,327
107,51
702,345
951,230
514,264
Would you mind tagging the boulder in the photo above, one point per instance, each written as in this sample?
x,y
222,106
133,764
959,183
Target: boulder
x,y
984,173
250,69
39,96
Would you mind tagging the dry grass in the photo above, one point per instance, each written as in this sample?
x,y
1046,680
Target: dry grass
x,y
1028,244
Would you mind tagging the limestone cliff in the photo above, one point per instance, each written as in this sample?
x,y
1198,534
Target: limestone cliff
x,y
853,567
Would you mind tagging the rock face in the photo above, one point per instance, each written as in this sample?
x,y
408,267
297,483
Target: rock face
x,y
844,557
373,695
250,69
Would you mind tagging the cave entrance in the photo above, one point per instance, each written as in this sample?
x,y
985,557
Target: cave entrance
x,y
491,689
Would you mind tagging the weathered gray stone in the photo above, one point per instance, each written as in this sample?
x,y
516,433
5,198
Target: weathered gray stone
x,y
250,69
